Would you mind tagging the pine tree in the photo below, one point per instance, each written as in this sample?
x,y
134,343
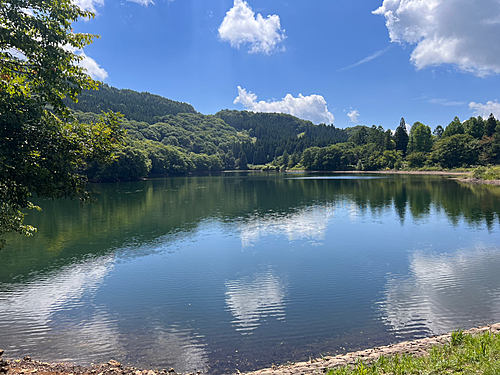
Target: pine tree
x,y
491,124
401,137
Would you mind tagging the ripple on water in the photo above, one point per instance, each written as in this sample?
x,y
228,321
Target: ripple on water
x,y
439,295
252,299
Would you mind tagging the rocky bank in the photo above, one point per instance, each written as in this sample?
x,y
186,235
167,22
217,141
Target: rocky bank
x,y
27,366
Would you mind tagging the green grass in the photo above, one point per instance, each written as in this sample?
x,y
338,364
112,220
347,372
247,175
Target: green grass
x,y
464,355
487,173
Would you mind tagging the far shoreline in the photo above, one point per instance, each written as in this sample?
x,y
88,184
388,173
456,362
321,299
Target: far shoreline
x,y
392,171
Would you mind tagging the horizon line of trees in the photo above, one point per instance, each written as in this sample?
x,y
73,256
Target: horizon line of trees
x,y
165,137
461,144
212,145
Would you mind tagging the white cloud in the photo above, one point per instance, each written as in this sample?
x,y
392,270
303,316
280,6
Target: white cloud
x,y
353,115
89,4
241,26
92,67
89,64
485,110
464,33
312,107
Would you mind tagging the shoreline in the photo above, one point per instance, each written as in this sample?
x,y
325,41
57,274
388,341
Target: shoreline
x,y
478,181
418,347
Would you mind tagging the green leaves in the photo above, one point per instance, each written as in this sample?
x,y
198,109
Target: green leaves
x,y
37,51
43,150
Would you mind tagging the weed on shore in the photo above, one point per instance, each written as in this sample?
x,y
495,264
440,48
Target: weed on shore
x,y
464,354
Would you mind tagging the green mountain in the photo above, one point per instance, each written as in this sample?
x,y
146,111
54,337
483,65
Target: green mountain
x,y
275,133
164,136
138,106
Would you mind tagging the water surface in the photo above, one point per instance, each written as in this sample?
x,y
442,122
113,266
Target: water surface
x,y
240,271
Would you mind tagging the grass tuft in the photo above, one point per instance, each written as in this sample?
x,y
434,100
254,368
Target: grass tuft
x,y
464,354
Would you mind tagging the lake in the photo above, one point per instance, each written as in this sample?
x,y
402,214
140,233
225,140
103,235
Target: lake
x,y
245,270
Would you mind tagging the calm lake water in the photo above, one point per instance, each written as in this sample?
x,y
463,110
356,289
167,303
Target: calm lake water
x,y
240,271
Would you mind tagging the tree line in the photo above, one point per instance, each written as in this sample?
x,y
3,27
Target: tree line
x,y
475,141
162,142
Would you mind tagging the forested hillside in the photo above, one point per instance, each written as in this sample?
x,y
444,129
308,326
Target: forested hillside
x,y
138,106
167,137
277,133
461,144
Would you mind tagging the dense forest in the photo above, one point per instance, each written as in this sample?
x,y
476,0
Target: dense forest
x,y
166,137
461,144
132,104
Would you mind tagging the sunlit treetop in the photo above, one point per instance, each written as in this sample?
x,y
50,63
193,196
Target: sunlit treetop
x,y
37,50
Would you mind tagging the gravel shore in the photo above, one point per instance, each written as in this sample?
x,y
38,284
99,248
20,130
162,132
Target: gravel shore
x,y
27,366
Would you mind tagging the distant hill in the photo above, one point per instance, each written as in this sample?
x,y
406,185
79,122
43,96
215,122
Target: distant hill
x,y
138,106
275,133
281,125
165,136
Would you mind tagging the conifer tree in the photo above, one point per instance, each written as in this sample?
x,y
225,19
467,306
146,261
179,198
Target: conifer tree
x,y
401,136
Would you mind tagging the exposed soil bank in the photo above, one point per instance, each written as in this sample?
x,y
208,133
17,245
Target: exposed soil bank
x,y
478,181
420,347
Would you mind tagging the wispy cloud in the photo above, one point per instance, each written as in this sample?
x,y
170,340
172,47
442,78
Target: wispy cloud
x,y
446,102
145,2
373,56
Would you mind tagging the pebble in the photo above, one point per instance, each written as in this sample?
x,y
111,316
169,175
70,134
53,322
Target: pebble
x,y
114,363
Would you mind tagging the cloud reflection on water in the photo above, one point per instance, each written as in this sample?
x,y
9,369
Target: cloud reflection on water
x,y
310,223
37,309
443,292
251,300
56,316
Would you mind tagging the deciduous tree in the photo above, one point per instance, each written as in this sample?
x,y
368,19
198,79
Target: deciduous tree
x,y
420,139
44,151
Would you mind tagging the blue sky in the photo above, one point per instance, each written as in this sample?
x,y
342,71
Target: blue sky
x,y
333,61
